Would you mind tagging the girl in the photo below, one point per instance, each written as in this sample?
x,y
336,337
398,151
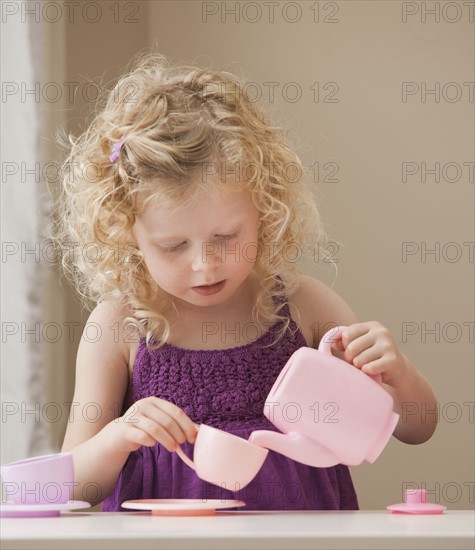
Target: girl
x,y
186,210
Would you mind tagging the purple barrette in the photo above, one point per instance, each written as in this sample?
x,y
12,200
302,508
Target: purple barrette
x,y
116,149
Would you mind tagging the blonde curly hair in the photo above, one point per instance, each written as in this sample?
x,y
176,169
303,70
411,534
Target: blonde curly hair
x,y
166,123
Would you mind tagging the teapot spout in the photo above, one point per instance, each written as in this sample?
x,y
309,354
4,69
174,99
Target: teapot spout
x,y
295,446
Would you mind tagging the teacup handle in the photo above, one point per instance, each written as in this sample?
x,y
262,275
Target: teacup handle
x,y
186,460
333,335
179,451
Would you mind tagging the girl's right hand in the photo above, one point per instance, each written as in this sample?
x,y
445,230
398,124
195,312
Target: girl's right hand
x,y
148,421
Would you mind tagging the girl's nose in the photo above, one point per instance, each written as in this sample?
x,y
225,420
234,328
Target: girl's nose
x,y
206,257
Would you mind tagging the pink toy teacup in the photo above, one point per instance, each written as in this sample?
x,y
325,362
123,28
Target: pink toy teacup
x,y
329,411
47,479
224,459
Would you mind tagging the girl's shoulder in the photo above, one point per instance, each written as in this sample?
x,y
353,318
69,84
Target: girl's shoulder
x,y
316,308
110,317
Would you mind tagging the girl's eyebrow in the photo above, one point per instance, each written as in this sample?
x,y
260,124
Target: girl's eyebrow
x,y
231,223
173,239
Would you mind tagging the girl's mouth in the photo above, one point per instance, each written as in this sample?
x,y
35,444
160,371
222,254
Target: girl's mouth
x,y
208,290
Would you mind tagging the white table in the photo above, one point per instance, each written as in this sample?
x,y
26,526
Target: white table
x,y
277,530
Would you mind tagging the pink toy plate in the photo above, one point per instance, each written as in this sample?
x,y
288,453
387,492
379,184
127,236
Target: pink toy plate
x,y
10,510
181,506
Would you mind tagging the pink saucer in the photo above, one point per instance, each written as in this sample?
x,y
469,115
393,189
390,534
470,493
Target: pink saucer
x,y
415,502
10,510
181,506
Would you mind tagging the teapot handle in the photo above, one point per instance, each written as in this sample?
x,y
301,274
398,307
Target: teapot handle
x,y
333,335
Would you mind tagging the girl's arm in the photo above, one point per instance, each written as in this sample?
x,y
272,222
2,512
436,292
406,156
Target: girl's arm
x,y
99,439
101,382
415,402
370,347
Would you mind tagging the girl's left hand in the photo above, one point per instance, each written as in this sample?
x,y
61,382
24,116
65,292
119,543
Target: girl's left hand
x,y
370,347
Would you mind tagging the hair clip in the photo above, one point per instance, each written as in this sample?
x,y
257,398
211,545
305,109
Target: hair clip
x,y
116,150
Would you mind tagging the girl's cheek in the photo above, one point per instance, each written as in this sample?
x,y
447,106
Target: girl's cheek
x,y
250,253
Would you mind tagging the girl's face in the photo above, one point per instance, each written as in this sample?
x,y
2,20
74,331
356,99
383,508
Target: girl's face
x,y
213,240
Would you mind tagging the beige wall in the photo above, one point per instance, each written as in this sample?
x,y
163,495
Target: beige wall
x,y
368,131
93,54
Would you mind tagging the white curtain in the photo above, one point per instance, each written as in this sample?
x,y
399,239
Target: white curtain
x,y
25,428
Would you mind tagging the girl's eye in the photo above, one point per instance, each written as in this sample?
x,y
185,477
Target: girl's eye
x,y
170,248
176,247
227,236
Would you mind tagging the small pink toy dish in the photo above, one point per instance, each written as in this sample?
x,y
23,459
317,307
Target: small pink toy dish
x,y
11,510
415,502
182,506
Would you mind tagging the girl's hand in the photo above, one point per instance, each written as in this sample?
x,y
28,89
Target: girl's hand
x,y
371,348
150,420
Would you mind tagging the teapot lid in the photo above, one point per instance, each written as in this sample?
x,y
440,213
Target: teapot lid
x,y
415,502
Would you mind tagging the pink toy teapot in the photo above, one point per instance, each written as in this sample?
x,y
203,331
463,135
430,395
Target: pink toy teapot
x,y
329,411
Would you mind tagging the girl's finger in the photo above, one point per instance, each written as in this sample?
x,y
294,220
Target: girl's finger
x,y
354,332
162,423
159,433
137,434
184,422
374,367
338,345
172,419
366,358
358,346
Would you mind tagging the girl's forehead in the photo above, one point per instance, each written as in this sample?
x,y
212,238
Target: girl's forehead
x,y
207,213
229,199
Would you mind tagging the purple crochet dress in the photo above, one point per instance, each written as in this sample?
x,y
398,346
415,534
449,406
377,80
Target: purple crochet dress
x,y
226,389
